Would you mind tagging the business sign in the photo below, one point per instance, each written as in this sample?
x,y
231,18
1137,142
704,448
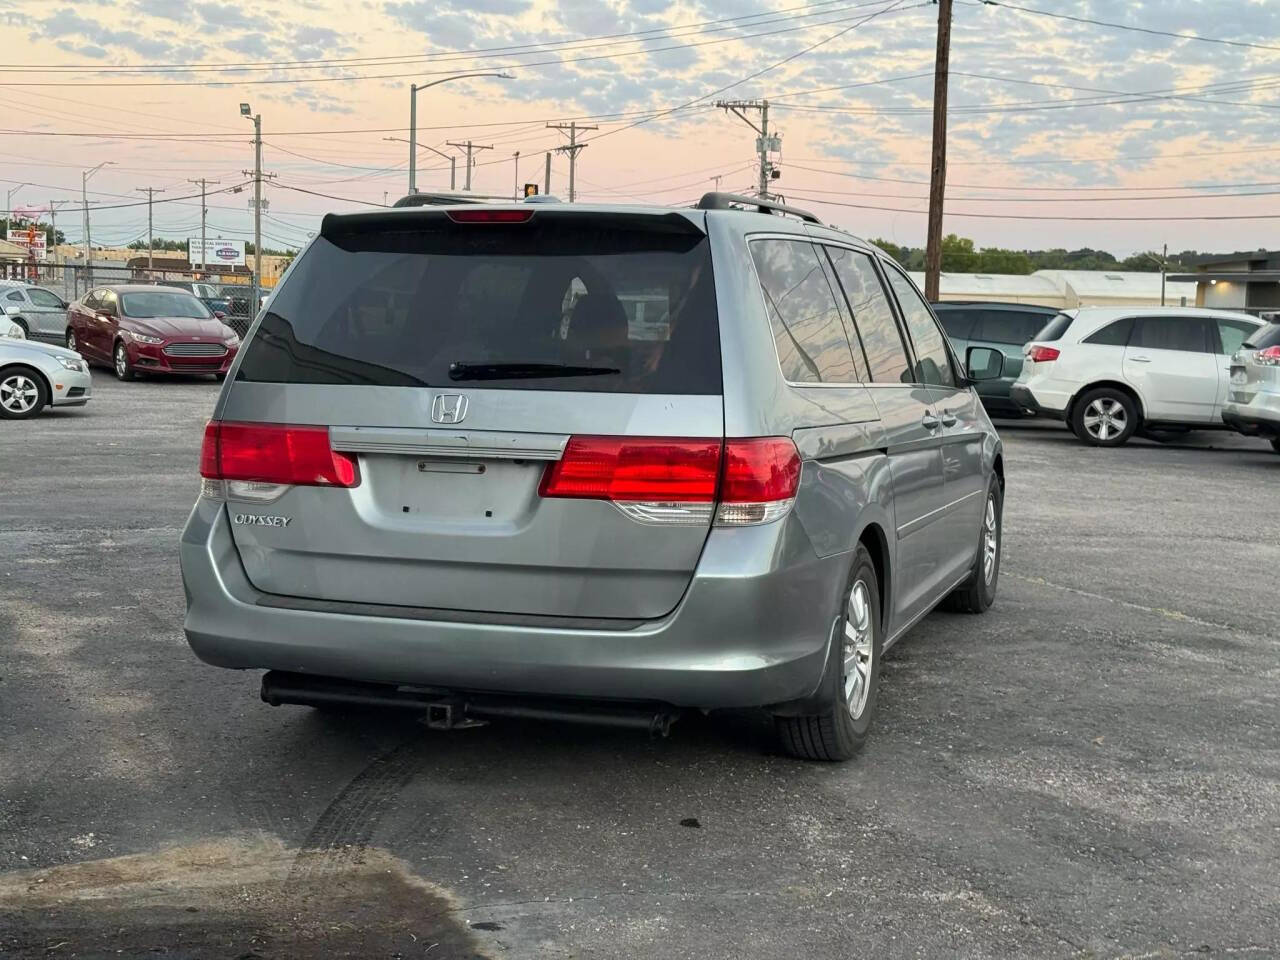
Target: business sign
x,y
227,253
33,238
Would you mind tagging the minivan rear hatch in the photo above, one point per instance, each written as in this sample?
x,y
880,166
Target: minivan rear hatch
x,y
454,357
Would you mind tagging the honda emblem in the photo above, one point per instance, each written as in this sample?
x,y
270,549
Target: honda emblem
x,y
448,408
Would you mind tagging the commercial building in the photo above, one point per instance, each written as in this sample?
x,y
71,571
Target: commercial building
x,y
1237,281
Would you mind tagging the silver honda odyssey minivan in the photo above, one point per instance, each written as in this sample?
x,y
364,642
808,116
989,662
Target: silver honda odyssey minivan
x,y
601,463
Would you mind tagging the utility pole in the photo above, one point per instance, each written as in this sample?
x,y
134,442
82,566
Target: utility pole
x,y
84,198
546,187
469,147
573,149
53,222
204,212
515,192
717,178
257,175
938,173
150,192
765,143
1164,266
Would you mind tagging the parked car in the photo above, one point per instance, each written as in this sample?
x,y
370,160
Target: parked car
x,y
41,313
36,375
1006,327
1253,397
1111,371
447,473
208,293
137,328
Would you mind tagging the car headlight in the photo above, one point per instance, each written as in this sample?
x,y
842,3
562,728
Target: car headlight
x,y
15,332
70,364
231,339
145,337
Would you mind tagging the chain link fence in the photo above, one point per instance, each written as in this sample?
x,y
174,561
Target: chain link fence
x,y
231,296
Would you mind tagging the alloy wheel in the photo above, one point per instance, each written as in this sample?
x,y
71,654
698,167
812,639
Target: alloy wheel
x,y
1105,418
122,361
859,649
990,542
19,393
71,341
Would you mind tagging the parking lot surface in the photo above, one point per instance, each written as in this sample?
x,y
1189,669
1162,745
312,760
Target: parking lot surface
x,y
1090,770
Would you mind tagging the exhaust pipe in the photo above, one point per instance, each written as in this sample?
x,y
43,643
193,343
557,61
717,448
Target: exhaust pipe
x,y
449,710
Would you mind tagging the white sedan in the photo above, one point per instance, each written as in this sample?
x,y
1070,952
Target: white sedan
x,y
35,375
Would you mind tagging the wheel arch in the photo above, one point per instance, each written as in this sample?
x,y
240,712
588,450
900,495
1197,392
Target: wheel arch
x,y
1120,385
30,368
873,537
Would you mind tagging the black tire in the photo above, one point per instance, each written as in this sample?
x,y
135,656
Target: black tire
x,y
16,399
1118,413
977,593
120,362
1275,444
828,729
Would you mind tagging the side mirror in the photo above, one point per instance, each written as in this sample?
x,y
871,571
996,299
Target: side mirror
x,y
219,315
983,363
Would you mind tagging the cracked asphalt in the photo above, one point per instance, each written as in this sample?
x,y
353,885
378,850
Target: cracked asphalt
x,y
1090,770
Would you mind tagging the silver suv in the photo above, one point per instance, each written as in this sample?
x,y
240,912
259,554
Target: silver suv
x,y
592,462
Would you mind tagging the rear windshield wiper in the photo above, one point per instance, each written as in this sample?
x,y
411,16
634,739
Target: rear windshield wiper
x,y
459,370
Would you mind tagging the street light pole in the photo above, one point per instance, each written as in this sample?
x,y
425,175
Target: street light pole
x,y
515,184
414,90
257,205
8,202
453,161
84,198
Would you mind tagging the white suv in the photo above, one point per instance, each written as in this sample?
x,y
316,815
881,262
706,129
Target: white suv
x,y
1110,371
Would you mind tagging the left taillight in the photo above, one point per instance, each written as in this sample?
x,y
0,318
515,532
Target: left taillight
x,y
259,461
1270,357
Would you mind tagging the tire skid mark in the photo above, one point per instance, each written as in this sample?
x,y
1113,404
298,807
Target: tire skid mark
x,y
344,830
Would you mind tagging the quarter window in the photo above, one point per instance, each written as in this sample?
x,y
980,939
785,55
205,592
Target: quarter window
x,y
872,316
1233,334
15,295
933,363
807,329
1186,334
1113,334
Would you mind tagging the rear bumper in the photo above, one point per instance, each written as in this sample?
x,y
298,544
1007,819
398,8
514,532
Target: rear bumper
x,y
1261,417
1023,398
752,630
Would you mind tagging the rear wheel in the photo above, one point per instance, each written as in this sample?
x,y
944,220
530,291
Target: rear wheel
x,y
123,368
72,344
1105,417
22,393
846,702
977,593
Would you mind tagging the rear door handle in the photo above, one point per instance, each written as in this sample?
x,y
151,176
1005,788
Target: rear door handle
x,y
948,418
930,422
1140,359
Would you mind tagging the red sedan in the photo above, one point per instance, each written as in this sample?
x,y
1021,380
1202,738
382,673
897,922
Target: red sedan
x,y
148,329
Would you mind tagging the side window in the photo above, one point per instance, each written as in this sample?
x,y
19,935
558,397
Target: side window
x,y
44,298
1233,334
1113,334
90,300
1006,326
872,316
933,362
109,302
1186,334
810,337
15,295
958,323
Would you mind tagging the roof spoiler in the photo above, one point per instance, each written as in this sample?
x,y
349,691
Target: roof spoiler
x,y
731,201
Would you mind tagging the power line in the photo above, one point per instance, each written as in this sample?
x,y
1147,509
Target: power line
x,y
1019,216
1122,26
556,62
1114,199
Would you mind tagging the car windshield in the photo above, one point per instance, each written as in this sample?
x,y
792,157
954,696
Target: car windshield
x,y
163,303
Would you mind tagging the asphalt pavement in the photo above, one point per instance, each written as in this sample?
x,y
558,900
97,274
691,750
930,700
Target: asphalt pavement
x,y
1092,769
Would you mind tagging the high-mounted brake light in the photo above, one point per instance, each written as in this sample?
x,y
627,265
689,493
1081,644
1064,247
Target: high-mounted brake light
x,y
679,480
484,215
1038,354
1270,357
259,461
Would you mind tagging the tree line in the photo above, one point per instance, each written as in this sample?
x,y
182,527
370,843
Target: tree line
x,y
961,255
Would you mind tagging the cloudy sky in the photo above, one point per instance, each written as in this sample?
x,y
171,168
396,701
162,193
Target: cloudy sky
x,y
1063,132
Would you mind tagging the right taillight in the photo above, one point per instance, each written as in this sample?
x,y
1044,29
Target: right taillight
x,y
1039,354
665,480
1270,357
259,461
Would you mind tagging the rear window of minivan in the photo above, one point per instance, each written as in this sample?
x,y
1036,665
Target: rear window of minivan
x,y
568,302
1268,336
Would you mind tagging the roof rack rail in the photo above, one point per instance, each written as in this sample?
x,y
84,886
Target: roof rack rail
x,y
727,201
435,200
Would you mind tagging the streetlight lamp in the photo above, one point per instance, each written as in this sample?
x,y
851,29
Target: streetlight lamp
x,y
453,161
84,198
414,90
